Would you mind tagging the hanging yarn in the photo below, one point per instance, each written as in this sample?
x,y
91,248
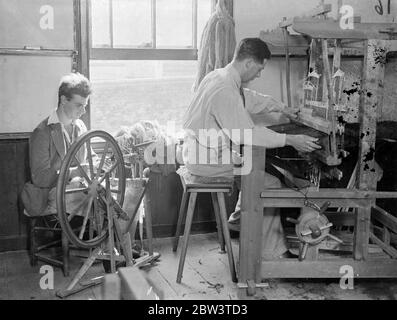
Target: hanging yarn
x,y
217,44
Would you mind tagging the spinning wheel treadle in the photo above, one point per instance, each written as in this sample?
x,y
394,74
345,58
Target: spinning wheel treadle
x,y
89,197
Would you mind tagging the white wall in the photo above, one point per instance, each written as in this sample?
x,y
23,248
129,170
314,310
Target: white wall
x,y
37,23
28,91
251,16
254,15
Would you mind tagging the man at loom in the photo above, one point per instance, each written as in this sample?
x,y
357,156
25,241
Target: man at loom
x,y
222,105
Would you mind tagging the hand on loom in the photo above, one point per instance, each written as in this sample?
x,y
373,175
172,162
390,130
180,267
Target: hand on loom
x,y
291,113
302,143
278,106
273,105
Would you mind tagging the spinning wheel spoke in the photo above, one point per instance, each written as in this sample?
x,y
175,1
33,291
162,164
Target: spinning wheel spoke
x,y
105,151
82,171
71,216
104,201
91,229
77,210
89,156
89,207
109,171
94,218
76,190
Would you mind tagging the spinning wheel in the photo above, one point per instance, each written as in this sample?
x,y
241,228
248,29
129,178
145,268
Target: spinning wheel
x,y
90,195
86,195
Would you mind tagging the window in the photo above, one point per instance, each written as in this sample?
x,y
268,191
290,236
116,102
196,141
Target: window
x,y
127,91
144,60
148,24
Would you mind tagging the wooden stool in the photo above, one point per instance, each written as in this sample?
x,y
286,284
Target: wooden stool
x,y
191,189
34,249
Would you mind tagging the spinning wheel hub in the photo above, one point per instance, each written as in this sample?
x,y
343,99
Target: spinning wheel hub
x,y
94,188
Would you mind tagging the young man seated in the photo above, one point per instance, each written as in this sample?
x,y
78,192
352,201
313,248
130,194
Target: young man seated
x,y
48,146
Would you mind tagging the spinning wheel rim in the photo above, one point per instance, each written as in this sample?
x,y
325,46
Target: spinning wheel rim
x,y
82,142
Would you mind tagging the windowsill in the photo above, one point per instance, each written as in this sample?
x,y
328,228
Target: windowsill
x,y
142,54
15,136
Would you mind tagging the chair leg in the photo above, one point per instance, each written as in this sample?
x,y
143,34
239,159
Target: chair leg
x,y
218,221
181,216
33,243
188,224
226,234
65,254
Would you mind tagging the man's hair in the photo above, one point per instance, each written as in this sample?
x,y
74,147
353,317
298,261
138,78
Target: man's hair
x,y
74,83
253,48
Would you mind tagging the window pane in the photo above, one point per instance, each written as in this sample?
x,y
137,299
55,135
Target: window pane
x,y
100,23
132,23
203,14
174,23
125,92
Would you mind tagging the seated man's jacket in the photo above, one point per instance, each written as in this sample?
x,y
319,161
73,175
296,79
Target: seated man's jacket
x,y
47,149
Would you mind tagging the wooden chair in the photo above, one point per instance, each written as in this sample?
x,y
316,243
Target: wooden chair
x,y
217,187
39,225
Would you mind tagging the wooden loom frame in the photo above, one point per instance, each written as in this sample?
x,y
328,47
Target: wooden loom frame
x,y
379,39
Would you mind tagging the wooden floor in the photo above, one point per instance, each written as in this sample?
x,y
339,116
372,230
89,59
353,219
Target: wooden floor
x,y
206,277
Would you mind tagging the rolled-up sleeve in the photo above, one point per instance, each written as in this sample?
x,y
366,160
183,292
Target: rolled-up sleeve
x,y
231,116
256,102
262,136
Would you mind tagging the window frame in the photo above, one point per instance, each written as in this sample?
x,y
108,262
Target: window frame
x,y
83,34
153,53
